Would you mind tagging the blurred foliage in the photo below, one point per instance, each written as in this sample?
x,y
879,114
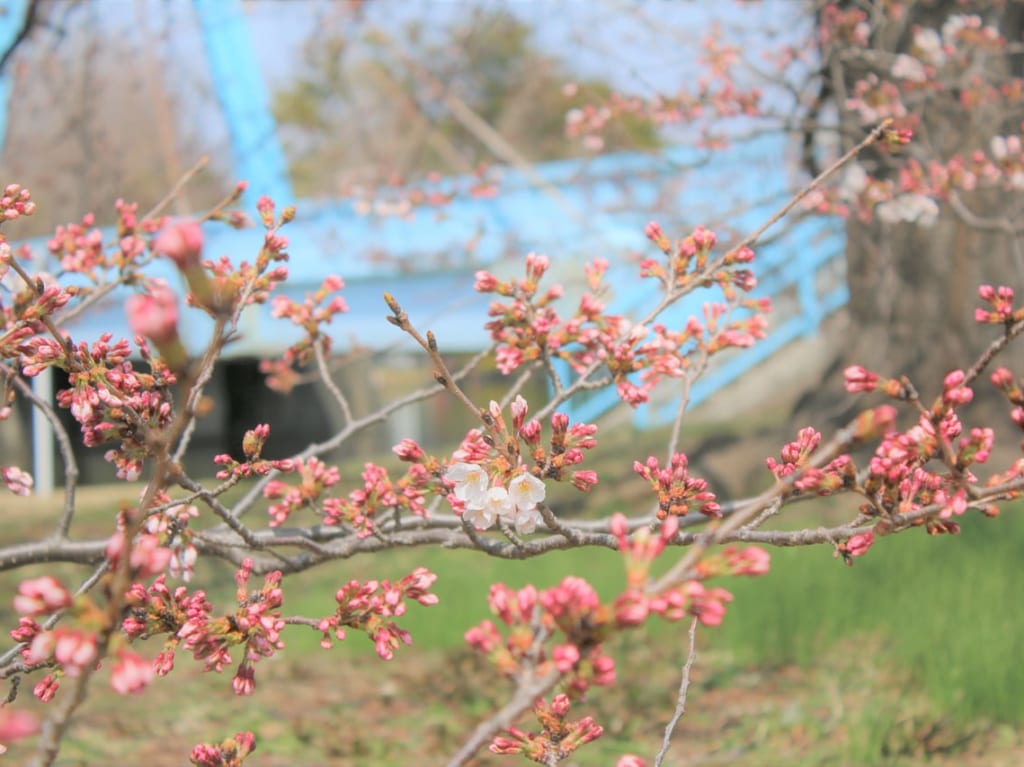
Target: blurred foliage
x,y
369,107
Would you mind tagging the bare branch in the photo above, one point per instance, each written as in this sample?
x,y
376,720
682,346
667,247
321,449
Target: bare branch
x,y
684,687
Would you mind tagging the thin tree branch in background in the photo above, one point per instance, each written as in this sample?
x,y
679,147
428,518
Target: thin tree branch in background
x,y
684,687
28,24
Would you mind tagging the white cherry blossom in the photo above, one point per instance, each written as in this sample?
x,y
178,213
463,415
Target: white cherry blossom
x,y
496,503
526,491
526,520
481,517
471,482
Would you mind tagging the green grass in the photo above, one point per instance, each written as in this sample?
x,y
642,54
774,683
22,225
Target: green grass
x,y
464,578
946,611
942,611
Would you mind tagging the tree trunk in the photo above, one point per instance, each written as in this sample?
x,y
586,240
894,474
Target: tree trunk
x,y
913,288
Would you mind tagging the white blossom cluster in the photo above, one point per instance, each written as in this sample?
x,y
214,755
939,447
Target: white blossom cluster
x,y
485,502
928,46
911,208
910,69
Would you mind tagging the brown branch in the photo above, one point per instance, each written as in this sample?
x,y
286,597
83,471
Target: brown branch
x,y
684,687
524,698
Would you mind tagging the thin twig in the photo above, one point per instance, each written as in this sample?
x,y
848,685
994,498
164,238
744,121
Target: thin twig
x,y
67,452
180,184
328,381
684,687
524,698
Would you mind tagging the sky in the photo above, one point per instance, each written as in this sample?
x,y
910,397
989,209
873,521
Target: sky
x,y
635,44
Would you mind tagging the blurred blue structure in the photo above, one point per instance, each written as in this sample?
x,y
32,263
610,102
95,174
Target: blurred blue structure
x,y
573,210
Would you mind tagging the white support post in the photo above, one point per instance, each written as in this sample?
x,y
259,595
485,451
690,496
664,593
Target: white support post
x,y
42,436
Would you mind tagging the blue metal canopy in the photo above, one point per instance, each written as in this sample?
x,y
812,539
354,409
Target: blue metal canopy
x,y
573,210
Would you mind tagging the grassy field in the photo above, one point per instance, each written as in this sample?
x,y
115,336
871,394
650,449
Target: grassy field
x,y
912,654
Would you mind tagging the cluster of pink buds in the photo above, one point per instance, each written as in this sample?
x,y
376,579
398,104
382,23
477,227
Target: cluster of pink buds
x,y
79,246
689,262
397,197
315,477
678,492
146,556
252,448
219,287
527,327
379,494
370,607
533,617
17,481
1004,380
837,474
16,202
558,737
564,451
693,598
37,300
186,619
732,560
312,315
230,753
634,605
41,596
72,649
1000,309
107,396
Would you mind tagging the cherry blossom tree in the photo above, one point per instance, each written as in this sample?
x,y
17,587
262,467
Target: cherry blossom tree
x,y
913,455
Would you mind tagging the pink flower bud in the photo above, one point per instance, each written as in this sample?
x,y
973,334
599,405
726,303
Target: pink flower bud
x,y
154,315
875,422
859,379
130,673
46,689
485,282
40,596
181,242
657,236
408,450
631,608
858,545
669,528
629,760
565,657
1002,378
15,725
75,650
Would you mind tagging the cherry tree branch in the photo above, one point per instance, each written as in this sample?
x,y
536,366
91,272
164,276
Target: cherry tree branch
x,y
684,688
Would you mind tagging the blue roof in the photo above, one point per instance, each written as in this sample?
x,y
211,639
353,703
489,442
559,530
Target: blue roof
x,y
580,209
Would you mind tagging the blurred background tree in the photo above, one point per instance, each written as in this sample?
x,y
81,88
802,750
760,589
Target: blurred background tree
x,y
368,106
913,281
